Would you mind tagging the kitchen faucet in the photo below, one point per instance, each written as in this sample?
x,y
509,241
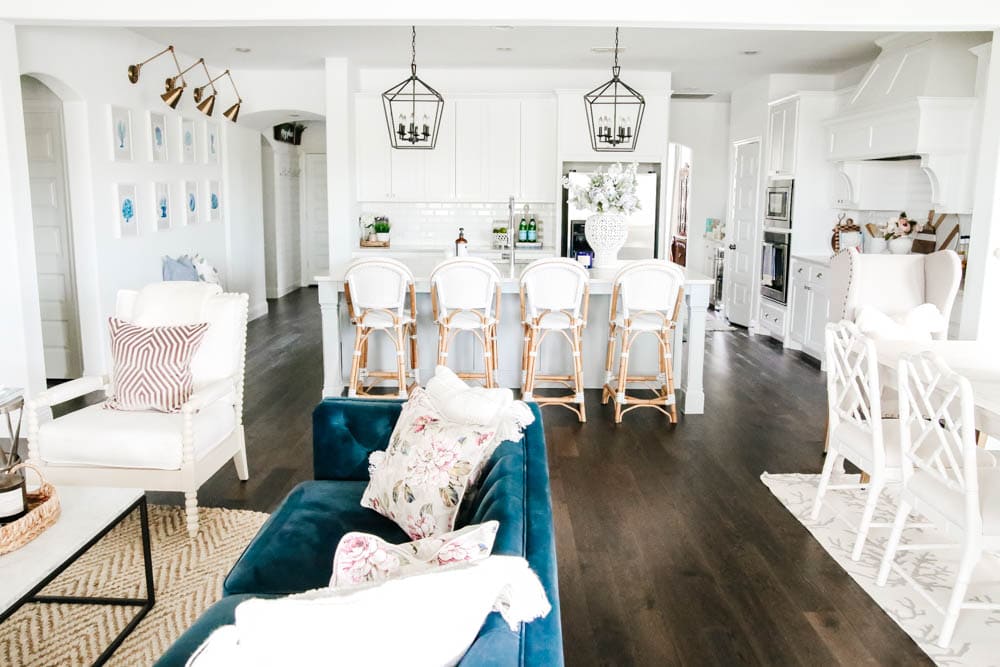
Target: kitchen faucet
x,y
511,234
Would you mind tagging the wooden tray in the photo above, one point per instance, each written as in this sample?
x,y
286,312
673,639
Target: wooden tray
x,y
365,243
43,511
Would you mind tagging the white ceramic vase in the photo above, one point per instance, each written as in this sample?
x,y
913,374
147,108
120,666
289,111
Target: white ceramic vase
x,y
382,237
901,246
877,245
606,234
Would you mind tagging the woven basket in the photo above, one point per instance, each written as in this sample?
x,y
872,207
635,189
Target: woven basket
x,y
43,511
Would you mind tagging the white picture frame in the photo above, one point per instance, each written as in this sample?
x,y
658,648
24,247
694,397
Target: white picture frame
x,y
189,141
127,210
214,201
212,143
161,206
191,202
121,134
158,139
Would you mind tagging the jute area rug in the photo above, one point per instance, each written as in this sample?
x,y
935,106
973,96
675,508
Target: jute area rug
x,y
188,575
977,636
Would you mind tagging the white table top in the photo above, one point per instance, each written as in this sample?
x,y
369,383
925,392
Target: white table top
x,y
85,511
976,360
600,279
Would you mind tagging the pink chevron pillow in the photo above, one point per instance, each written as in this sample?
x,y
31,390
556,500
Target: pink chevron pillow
x,y
152,365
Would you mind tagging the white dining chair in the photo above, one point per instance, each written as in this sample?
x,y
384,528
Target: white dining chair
x,y
945,479
378,292
465,297
857,431
554,299
645,299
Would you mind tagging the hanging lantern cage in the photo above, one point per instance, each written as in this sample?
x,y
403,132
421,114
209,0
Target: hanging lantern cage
x,y
413,109
614,112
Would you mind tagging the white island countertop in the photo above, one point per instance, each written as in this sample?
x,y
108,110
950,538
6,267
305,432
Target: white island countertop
x,y
600,279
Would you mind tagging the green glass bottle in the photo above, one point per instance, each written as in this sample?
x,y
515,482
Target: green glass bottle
x,y
532,231
522,231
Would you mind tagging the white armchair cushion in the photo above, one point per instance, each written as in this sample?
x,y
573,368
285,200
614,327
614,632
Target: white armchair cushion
x,y
93,436
917,324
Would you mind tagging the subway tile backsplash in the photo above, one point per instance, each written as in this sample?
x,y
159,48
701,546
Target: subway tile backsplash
x,y
434,225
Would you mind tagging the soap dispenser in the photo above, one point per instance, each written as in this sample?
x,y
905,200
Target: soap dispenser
x,y
461,244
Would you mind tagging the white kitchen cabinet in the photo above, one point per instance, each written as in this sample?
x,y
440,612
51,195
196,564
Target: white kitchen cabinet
x,y
771,319
538,150
470,150
373,159
809,307
439,164
782,127
406,174
503,149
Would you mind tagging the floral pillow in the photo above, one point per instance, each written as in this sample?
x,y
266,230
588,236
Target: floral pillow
x,y
421,477
364,559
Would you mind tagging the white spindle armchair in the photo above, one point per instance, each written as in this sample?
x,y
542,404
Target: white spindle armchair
x,y
152,450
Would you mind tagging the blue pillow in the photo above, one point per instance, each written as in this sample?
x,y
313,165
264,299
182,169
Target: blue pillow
x,y
181,268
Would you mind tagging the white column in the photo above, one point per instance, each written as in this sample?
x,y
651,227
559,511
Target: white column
x,y
21,361
696,300
980,316
329,305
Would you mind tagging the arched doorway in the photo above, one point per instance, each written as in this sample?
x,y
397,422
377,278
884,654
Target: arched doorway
x,y
53,230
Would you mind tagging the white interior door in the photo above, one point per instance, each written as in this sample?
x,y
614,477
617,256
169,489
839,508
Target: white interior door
x,y
316,235
741,252
53,242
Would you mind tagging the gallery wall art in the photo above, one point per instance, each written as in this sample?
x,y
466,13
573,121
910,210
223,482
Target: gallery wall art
x,y
121,133
128,211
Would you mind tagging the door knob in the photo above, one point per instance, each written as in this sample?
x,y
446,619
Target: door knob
x,y
732,246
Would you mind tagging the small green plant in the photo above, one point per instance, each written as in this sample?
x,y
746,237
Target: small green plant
x,y
381,225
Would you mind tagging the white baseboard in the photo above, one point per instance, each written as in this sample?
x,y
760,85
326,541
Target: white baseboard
x,y
281,291
257,310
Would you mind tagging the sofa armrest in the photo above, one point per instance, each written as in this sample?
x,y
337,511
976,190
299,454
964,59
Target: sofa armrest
x,y
67,391
207,395
346,431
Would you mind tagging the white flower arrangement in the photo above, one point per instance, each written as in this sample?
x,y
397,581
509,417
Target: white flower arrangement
x,y
611,191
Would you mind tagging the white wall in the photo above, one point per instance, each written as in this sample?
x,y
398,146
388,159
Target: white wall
x,y
244,216
703,126
280,171
87,72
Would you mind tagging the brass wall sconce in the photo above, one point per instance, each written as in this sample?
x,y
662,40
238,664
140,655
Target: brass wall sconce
x,y
172,95
133,70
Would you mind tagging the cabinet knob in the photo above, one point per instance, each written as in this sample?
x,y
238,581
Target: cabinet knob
x,y
800,270
807,288
732,246
819,275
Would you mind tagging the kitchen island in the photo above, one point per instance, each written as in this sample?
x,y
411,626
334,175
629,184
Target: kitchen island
x,y
338,336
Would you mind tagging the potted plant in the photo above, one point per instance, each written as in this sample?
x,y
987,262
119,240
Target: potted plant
x,y
381,228
610,196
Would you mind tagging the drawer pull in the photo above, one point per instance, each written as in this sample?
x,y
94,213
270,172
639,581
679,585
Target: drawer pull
x,y
819,275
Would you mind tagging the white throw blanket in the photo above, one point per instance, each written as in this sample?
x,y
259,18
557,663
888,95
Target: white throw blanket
x,y
426,619
477,406
916,324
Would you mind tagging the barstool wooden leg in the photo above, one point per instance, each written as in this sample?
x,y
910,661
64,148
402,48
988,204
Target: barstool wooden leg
x,y
668,373
534,340
578,373
359,336
608,363
411,331
526,332
399,343
442,355
620,393
363,370
487,357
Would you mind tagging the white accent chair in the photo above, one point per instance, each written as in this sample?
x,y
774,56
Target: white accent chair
x,y
378,292
893,284
857,431
945,478
650,293
554,298
153,450
465,296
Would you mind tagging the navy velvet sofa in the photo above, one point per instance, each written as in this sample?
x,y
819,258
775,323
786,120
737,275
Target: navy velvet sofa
x,y
293,551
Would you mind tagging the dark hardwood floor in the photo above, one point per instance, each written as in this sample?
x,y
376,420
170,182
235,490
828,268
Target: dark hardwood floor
x,y
671,550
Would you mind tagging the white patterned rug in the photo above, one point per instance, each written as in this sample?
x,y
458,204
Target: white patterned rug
x,y
977,636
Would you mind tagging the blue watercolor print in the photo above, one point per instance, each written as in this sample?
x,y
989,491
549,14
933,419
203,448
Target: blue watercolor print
x,y
158,136
121,134
215,201
128,209
191,202
188,139
163,208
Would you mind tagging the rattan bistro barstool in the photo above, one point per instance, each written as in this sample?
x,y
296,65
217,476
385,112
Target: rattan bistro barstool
x,y
377,291
646,299
465,296
554,298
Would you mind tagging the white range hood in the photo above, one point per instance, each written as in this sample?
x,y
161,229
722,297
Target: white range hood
x,y
917,99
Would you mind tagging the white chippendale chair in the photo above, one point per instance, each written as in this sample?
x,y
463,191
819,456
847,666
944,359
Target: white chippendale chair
x,y
945,478
152,450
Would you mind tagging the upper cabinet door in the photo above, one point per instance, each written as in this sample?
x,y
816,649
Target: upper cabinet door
x,y
781,138
788,143
538,150
470,150
439,165
374,183
503,150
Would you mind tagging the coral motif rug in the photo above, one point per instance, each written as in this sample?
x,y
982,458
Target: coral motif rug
x,y
977,636
188,575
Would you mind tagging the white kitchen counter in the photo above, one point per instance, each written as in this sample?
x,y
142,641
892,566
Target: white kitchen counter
x,y
821,260
338,335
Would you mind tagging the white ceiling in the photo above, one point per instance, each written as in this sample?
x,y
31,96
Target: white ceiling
x,y
700,59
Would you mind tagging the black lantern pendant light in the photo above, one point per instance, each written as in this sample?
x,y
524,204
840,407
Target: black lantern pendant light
x,y
614,112
412,109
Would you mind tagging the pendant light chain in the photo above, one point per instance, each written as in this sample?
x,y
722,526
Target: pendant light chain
x,y
616,47
413,47
412,108
614,111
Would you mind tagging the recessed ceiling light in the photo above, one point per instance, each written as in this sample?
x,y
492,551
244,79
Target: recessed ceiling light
x,y
750,52
294,115
503,27
504,49
242,49
607,49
